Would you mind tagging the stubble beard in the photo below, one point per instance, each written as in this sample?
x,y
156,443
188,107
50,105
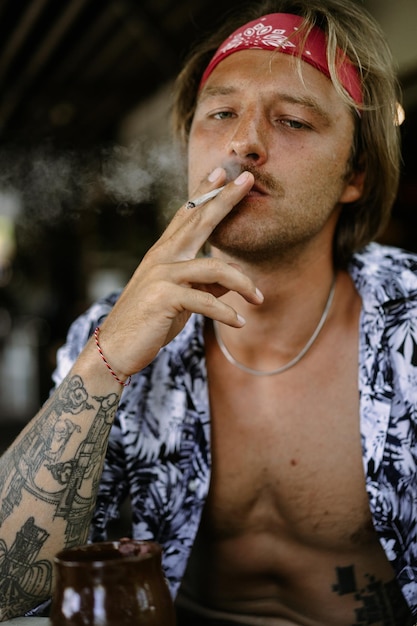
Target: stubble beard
x,y
249,235
246,234
243,234
275,229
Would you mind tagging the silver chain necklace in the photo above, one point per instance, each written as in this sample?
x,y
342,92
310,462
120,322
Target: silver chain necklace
x,y
296,359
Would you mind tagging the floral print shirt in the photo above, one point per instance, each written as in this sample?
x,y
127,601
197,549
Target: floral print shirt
x,y
159,450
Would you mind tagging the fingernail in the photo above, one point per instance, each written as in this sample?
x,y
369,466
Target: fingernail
x,y
215,174
260,295
241,320
242,178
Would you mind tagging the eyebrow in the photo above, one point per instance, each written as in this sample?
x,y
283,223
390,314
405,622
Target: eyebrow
x,y
300,100
211,91
308,103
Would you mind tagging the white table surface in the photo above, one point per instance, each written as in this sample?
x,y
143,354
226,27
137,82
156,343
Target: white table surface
x,y
27,621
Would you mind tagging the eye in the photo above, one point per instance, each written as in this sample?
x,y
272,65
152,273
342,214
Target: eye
x,y
293,124
222,115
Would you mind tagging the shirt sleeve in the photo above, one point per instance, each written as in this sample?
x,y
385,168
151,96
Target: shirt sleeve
x,y
78,335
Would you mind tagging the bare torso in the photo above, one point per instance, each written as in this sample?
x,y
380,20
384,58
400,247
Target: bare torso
x,y
286,537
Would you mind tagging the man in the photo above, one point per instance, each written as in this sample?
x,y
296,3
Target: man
x,y
279,478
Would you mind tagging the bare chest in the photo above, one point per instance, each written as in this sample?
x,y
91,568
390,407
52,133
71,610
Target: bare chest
x,y
287,455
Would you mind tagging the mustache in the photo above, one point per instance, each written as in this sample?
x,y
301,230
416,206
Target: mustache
x,y
265,180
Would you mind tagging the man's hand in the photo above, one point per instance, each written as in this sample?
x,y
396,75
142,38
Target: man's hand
x,y
171,283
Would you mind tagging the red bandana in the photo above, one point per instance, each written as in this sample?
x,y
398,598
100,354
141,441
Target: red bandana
x,y
279,31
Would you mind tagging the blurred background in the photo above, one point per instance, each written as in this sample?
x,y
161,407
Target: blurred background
x,y
88,174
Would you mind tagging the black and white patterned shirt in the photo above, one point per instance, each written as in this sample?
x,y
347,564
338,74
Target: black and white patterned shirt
x,y
159,450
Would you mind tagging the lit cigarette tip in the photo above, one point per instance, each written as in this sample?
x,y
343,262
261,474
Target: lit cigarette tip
x,y
204,198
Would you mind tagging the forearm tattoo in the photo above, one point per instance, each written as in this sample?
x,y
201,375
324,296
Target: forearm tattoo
x,y
40,464
378,603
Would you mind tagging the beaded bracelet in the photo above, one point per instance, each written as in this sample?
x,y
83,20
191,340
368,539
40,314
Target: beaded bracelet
x,y
112,372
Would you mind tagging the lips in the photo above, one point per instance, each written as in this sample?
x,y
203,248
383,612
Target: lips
x,y
257,190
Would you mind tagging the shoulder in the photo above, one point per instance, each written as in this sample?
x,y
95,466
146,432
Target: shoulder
x,y
79,332
384,274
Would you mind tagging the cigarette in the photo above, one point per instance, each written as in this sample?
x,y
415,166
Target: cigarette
x,y
204,198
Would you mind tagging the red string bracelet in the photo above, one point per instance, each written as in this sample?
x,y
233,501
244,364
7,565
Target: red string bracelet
x,y
112,372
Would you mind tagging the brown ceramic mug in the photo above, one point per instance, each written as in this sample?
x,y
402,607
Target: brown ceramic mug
x,y
118,583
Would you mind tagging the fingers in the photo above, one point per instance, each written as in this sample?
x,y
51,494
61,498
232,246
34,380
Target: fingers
x,y
205,303
218,177
163,286
217,277
209,279
157,303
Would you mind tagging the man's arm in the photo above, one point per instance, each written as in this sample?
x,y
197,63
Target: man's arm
x,y
49,476
48,482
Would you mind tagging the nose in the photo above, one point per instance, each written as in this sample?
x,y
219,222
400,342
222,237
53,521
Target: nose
x,y
248,140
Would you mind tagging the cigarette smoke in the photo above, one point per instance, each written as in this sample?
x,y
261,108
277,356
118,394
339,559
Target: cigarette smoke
x,y
233,169
51,185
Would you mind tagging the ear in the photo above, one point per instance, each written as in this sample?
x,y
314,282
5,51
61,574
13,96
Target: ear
x,y
354,187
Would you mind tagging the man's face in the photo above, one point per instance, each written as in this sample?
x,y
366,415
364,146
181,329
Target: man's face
x,y
294,133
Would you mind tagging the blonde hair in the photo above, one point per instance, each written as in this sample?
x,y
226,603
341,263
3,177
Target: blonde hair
x,y
376,145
